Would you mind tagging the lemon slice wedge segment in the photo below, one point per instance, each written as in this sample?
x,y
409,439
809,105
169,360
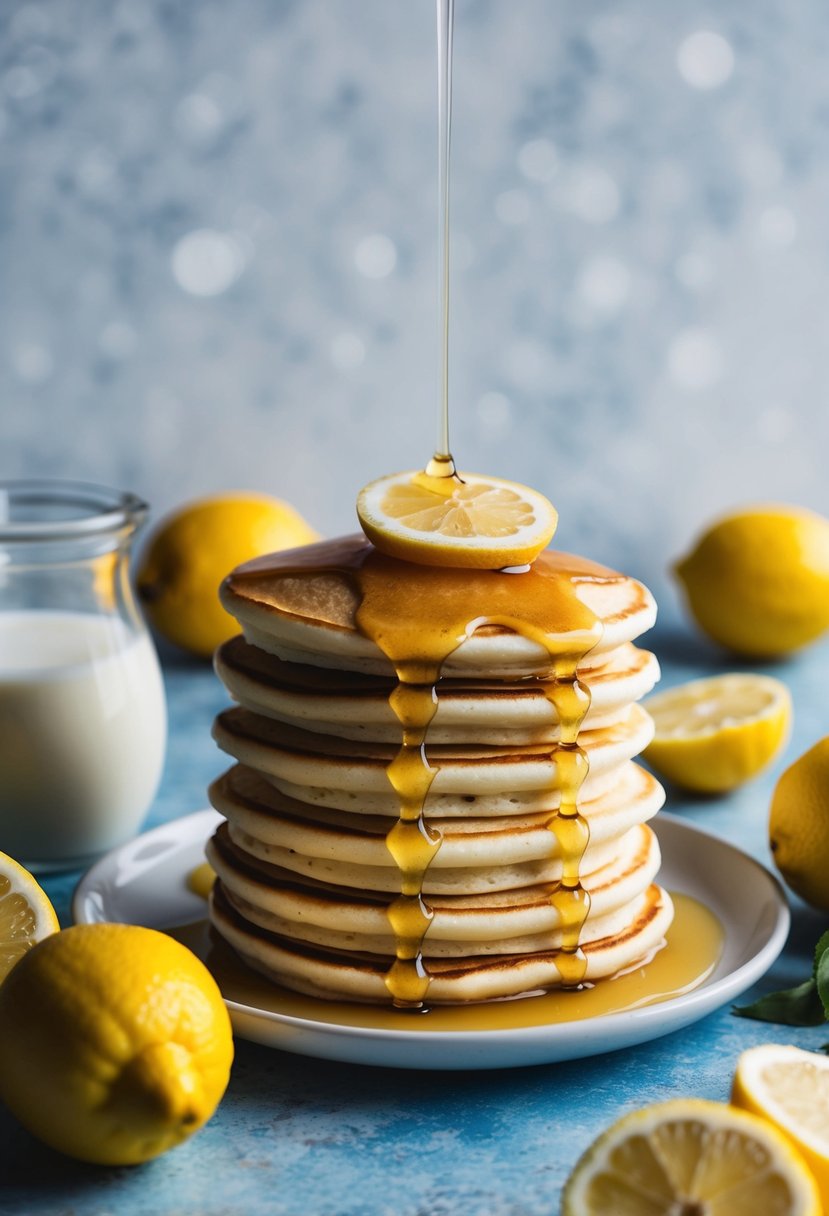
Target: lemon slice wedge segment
x,y
790,1088
26,915
691,1156
713,734
471,521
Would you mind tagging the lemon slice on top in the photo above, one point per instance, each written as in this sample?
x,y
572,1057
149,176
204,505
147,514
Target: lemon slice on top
x,y
26,915
713,734
475,522
790,1088
691,1158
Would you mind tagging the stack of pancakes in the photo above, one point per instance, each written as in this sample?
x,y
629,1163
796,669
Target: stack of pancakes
x,y
305,877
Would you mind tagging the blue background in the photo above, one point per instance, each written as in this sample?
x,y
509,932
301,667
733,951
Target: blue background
x,y
218,251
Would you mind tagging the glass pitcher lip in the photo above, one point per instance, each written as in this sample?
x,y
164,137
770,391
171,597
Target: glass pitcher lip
x,y
100,509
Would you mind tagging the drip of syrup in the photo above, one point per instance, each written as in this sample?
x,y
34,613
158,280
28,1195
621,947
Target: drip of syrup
x,y
418,641
418,616
693,948
442,465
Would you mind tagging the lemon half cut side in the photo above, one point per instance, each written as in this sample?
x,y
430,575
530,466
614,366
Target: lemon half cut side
x,y
26,915
691,1157
470,521
790,1088
713,734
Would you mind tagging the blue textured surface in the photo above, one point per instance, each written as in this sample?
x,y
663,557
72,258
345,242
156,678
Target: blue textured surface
x,y
300,1137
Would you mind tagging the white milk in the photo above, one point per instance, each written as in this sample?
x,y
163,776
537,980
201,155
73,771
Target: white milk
x,y
83,727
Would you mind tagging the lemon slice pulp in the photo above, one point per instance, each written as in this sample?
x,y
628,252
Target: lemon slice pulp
x,y
713,734
790,1088
691,1158
26,915
470,521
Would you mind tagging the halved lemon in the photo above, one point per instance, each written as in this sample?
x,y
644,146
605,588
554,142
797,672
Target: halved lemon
x,y
26,915
470,521
790,1088
713,734
691,1157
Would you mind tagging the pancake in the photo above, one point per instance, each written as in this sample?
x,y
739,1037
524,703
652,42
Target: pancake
x,y
293,606
356,706
268,820
333,772
361,977
363,861
523,921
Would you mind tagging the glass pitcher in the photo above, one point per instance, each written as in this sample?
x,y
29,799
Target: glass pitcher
x,y
83,721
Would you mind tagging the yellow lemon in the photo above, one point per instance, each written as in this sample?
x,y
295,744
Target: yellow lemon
x,y
790,1088
115,1044
469,521
26,915
691,1157
799,825
757,581
192,550
711,735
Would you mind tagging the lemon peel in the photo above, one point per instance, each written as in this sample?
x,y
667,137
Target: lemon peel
x,y
468,521
115,1043
799,825
192,549
757,580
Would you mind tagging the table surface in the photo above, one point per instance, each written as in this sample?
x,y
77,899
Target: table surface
x,y
301,1137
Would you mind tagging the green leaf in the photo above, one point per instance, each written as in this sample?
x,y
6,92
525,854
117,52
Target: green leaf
x,y
800,1006
821,971
805,1005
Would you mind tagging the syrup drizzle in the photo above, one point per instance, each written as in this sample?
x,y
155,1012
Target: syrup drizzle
x,y
418,616
417,649
445,466
694,946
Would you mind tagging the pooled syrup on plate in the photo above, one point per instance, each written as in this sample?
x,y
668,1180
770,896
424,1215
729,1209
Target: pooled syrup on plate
x,y
693,947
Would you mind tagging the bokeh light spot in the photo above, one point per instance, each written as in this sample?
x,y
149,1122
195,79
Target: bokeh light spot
x,y
705,60
206,262
375,256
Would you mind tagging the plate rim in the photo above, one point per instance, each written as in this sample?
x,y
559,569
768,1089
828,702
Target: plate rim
x,y
728,985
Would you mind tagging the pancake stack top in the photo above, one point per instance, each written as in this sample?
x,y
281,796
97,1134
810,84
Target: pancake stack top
x,y
409,820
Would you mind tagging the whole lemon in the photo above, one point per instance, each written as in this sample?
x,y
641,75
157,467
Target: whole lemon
x,y
191,551
115,1043
799,825
757,581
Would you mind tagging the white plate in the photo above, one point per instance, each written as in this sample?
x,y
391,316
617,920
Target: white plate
x,y
144,882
